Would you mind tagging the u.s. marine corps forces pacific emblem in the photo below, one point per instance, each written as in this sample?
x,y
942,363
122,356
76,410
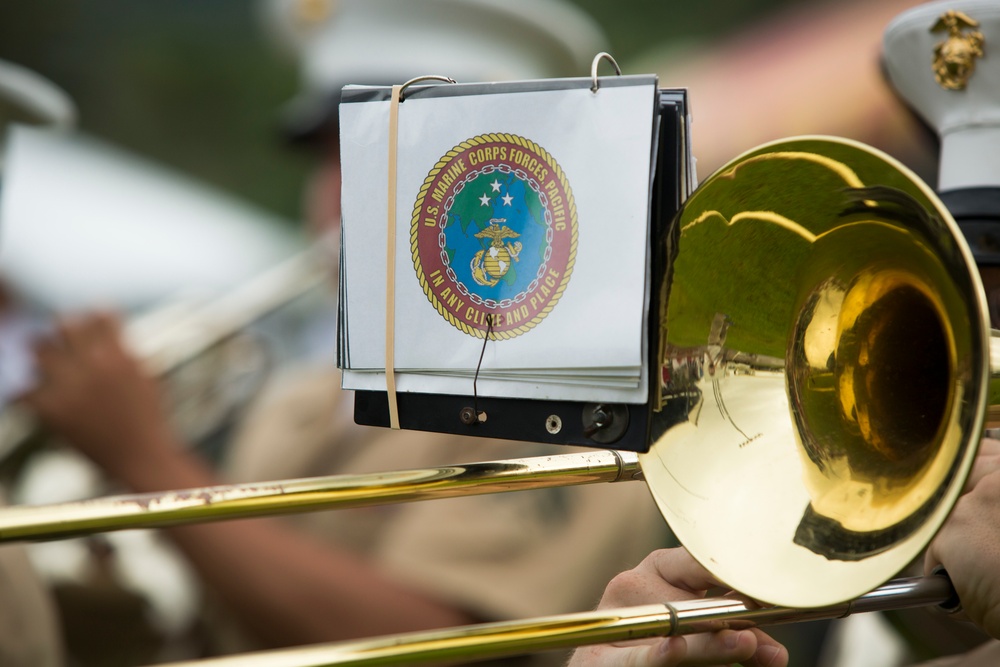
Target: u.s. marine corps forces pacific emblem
x,y
494,235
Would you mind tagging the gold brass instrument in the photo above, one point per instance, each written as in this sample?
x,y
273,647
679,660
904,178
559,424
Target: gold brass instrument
x,y
148,510
847,374
169,339
496,640
825,376
165,348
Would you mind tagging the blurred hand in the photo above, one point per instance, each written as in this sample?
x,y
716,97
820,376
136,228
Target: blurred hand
x,y
987,462
94,394
665,576
968,545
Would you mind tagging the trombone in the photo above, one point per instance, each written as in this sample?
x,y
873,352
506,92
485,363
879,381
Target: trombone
x,y
497,640
168,339
829,357
233,501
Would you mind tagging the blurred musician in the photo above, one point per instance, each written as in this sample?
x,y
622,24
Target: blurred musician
x,y
328,577
353,573
29,628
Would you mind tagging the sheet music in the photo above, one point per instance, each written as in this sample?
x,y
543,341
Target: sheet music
x,y
535,205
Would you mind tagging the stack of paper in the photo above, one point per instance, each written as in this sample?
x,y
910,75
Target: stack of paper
x,y
521,239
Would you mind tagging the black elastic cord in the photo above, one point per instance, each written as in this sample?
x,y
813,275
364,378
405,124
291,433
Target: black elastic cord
x,y
475,393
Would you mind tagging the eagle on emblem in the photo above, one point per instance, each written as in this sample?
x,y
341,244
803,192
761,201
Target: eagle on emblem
x,y
955,57
491,264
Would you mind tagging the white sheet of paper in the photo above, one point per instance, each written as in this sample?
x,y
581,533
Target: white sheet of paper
x,y
602,143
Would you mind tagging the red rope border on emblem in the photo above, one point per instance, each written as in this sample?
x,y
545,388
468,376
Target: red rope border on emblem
x,y
574,233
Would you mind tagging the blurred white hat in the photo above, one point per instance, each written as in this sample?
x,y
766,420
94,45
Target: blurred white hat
x,y
26,97
944,60
84,225
392,41
964,111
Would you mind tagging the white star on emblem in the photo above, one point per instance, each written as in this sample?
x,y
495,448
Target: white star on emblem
x,y
507,199
495,185
485,199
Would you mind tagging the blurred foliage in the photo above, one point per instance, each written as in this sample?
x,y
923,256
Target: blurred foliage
x,y
636,26
198,86
195,85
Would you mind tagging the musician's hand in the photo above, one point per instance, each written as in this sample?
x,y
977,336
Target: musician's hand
x,y
671,575
987,461
968,545
94,394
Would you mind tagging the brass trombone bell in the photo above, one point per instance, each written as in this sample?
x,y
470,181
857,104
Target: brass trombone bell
x,y
827,336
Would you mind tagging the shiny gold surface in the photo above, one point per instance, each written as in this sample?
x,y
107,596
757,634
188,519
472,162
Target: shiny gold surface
x,y
466,643
826,366
955,57
993,411
49,522
507,638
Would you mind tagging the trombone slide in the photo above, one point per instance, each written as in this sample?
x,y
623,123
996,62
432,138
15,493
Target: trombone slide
x,y
496,640
148,510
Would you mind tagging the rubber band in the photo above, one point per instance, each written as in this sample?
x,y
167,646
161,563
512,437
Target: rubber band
x,y
390,264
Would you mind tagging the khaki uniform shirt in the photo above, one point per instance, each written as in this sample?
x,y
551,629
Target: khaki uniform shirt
x,y
498,556
29,627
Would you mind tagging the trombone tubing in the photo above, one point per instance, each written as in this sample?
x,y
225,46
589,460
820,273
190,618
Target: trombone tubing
x,y
148,510
495,640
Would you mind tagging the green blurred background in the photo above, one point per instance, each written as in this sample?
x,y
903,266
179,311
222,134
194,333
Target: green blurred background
x,y
198,85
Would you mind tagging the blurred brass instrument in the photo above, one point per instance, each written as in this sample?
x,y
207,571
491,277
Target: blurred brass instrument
x,y
196,347
825,375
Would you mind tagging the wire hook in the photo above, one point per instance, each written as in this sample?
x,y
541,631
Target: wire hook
x,y
603,55
426,77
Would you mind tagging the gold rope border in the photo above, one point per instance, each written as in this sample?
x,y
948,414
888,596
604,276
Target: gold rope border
x,y
574,233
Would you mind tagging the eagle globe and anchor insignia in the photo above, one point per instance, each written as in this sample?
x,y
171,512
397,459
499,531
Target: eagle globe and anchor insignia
x,y
494,235
490,265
